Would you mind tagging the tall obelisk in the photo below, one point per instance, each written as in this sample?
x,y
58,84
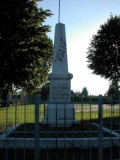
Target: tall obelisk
x,y
60,111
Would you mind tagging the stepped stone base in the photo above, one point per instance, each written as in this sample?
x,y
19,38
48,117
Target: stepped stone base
x,y
59,123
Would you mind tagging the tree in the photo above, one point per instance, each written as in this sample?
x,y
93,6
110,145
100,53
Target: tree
x,y
103,53
84,92
45,91
78,93
113,89
77,96
25,49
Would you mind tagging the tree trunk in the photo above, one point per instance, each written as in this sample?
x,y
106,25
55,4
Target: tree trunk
x,y
5,98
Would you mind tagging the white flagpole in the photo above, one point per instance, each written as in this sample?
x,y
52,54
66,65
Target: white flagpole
x,y
59,13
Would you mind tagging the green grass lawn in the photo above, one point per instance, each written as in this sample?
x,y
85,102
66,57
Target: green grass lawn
x,y
26,114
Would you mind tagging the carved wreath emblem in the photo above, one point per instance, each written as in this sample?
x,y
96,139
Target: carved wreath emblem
x,y
61,51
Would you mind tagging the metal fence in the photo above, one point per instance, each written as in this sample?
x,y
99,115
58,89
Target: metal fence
x,y
96,136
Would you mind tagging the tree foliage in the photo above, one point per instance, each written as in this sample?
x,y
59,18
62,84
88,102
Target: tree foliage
x,y
45,91
103,53
25,49
84,92
113,89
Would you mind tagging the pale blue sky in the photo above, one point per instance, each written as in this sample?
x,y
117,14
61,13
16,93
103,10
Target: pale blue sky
x,y
82,19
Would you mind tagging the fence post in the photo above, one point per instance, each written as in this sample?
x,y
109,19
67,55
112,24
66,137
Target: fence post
x,y
36,127
100,130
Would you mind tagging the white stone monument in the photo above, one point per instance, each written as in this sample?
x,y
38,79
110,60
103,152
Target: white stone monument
x,y
60,111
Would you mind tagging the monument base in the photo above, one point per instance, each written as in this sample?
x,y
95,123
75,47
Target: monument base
x,y
59,123
60,115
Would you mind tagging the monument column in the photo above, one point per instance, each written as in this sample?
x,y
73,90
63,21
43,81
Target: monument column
x,y
60,111
60,79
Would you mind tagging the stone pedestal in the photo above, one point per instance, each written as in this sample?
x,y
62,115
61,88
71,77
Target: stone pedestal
x,y
59,115
60,111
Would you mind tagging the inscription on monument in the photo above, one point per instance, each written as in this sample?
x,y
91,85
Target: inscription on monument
x,y
60,91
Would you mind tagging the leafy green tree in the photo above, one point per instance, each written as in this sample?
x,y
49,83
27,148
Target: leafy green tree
x,y
76,96
45,91
104,53
78,93
25,49
84,92
113,89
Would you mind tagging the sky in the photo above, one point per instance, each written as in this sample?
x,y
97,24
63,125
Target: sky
x,y
82,19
